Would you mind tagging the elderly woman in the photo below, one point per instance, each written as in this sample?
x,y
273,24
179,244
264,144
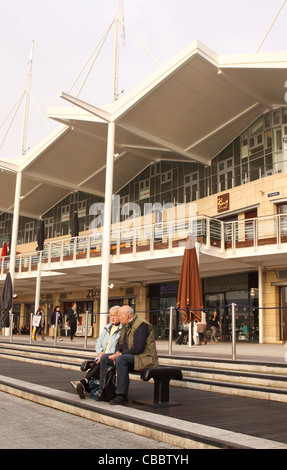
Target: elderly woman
x,y
106,344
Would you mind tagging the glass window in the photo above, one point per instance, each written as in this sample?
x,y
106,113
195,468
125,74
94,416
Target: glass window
x,y
282,208
284,115
276,117
244,146
267,121
268,138
256,127
277,139
167,176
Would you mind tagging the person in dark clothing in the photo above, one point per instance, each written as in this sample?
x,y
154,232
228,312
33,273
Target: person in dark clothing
x,y
57,319
41,327
72,320
215,324
136,350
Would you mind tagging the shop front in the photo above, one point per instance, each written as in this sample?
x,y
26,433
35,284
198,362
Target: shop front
x,y
82,308
162,297
218,293
221,292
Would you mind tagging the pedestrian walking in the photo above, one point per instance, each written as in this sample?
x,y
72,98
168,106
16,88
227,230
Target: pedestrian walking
x,y
215,324
72,320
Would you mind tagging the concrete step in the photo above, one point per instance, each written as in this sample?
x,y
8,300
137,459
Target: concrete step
x,y
264,381
46,355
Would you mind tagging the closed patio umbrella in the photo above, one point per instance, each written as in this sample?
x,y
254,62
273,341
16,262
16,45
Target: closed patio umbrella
x,y
41,236
4,251
6,301
189,298
75,225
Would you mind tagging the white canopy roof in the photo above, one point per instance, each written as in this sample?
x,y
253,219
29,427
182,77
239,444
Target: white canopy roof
x,y
188,110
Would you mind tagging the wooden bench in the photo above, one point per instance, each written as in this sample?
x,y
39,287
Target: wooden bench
x,y
161,377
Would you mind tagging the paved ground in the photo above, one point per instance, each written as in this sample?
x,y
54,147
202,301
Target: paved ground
x,y
238,420
28,425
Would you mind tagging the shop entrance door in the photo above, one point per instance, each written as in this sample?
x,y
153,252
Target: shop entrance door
x,y
160,318
246,318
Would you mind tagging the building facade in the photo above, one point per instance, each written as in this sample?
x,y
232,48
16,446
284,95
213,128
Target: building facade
x,y
204,137
249,175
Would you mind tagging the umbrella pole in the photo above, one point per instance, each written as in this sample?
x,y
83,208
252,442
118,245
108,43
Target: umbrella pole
x,y
190,334
11,326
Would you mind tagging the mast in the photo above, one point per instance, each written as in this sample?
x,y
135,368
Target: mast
x,y
27,100
119,39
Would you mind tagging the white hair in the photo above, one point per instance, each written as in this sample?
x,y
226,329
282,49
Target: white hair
x,y
128,310
115,309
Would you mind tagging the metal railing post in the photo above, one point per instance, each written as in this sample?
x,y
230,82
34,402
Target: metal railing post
x,y
233,333
170,330
56,329
86,329
31,326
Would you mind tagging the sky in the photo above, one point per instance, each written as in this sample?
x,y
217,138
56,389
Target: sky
x,y
65,32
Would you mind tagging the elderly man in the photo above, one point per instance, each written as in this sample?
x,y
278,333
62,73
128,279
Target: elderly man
x,y
136,350
106,343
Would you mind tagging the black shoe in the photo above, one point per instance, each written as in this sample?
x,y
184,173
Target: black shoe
x,y
119,400
79,387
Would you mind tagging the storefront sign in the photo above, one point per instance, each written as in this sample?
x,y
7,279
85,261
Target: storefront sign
x,y
223,203
169,288
226,284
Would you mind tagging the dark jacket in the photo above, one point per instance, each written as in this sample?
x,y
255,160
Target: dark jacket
x,y
72,316
137,338
60,317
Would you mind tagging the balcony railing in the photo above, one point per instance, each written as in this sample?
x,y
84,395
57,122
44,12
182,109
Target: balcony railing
x,y
212,233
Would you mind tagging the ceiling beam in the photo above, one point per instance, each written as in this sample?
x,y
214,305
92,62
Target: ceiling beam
x,y
162,142
104,115
224,125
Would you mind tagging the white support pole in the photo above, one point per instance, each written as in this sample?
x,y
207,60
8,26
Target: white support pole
x,y
104,306
38,284
14,236
260,303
